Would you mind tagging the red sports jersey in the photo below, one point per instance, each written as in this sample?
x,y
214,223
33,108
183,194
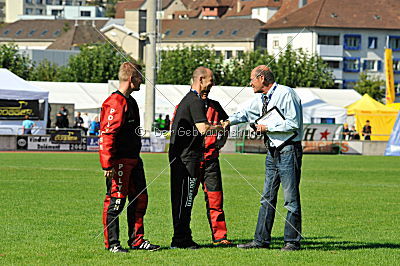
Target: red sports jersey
x,y
119,135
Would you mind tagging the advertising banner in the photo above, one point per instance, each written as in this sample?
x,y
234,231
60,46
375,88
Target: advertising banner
x,y
17,109
70,136
43,143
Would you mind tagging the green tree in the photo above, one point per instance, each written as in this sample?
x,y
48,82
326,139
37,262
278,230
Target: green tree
x,y
371,85
110,8
95,63
44,71
11,59
177,65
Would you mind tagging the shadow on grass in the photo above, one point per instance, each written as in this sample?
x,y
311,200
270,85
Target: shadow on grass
x,y
318,243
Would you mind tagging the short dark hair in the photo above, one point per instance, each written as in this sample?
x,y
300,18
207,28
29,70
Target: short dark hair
x,y
266,73
367,121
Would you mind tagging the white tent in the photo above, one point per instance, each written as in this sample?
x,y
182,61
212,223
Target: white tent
x,y
88,97
15,88
315,109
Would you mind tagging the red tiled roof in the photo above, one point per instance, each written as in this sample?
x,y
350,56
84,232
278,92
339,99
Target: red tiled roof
x,y
121,6
342,14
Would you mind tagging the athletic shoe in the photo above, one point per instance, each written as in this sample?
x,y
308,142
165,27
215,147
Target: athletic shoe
x,y
145,245
252,244
117,249
187,245
223,243
291,246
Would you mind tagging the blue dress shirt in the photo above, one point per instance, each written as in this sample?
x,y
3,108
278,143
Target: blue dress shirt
x,y
288,103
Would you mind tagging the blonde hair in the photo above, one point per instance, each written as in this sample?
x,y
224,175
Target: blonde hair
x,y
127,70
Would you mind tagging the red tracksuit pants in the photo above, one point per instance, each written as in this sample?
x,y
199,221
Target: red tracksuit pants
x,y
212,185
128,182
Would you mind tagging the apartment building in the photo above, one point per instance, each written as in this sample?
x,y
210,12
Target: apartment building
x,y
350,36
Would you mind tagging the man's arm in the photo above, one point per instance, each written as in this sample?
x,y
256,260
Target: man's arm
x,y
111,119
249,113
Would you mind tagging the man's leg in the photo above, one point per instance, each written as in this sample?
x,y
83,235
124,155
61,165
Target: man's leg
x,y
117,189
184,184
290,172
136,209
214,199
266,214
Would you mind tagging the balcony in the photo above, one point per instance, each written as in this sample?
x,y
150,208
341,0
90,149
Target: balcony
x,y
337,73
330,50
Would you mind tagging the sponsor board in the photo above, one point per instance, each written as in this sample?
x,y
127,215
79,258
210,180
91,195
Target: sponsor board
x,y
92,143
70,136
17,109
43,143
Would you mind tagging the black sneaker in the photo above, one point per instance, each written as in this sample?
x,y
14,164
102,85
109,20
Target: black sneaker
x,y
146,246
186,244
291,246
118,249
252,244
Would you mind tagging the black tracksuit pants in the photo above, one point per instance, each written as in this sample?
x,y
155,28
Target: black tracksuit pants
x,y
185,179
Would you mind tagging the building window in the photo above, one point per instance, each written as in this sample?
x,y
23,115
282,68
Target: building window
x,y
372,42
351,64
59,2
207,32
228,54
6,32
220,32
31,33
56,12
211,9
85,13
39,11
352,42
327,120
372,65
180,32
44,32
239,54
328,39
217,53
28,1
167,32
394,43
349,84
28,11
275,44
194,32
49,2
396,65
19,32
68,2
39,2
56,33
235,32
333,64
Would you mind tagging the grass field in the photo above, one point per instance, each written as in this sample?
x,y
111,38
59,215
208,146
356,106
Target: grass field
x,y
51,206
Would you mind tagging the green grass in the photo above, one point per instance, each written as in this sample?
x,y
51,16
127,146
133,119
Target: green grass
x,y
51,206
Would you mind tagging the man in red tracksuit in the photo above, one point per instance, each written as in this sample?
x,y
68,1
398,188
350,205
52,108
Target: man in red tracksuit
x,y
211,173
120,145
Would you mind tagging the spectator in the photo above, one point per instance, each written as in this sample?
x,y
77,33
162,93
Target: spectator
x,y
367,131
63,114
59,121
27,126
160,123
345,132
94,127
86,122
78,121
354,134
167,123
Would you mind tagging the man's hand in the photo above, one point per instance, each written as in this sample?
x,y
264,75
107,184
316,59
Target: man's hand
x,y
109,173
261,128
225,123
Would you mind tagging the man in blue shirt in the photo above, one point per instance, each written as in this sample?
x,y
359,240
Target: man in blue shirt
x,y
27,125
283,162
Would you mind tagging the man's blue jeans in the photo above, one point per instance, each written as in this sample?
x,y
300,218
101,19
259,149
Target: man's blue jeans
x,y
284,168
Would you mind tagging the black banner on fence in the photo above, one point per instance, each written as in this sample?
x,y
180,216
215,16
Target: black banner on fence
x,y
70,136
17,109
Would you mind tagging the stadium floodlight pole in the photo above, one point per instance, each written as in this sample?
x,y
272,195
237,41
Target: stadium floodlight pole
x,y
150,62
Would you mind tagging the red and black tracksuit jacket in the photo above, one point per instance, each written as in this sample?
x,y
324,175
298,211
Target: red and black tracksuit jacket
x,y
120,145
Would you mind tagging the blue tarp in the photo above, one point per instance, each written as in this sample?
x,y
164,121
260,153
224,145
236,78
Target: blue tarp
x,y
393,146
